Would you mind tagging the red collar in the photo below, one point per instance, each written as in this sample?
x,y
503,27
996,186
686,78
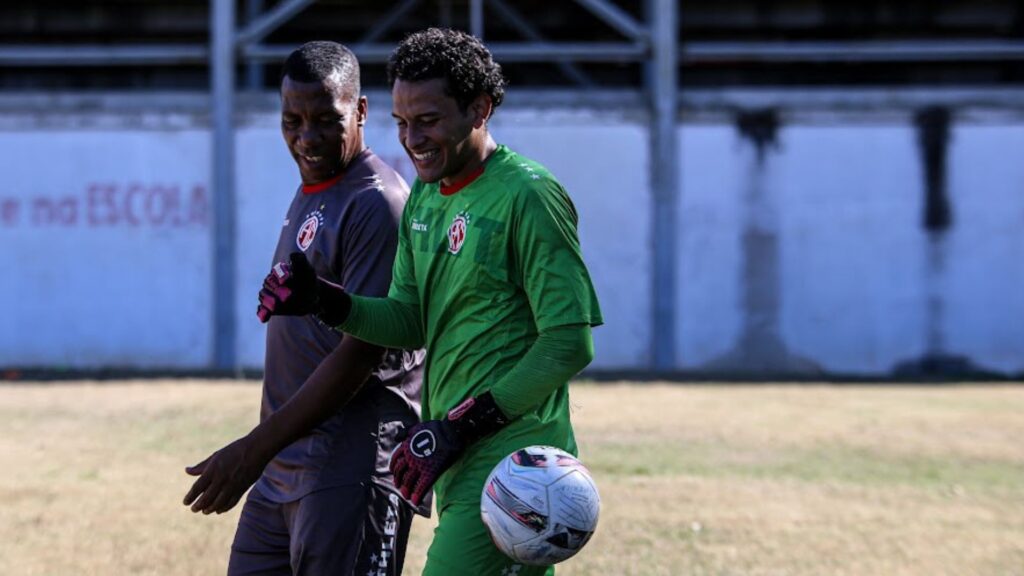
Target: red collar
x,y
321,186
449,190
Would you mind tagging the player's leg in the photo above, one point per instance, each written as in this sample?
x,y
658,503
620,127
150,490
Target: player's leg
x,y
261,543
348,531
462,547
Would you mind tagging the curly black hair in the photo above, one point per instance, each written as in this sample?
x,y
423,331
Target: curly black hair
x,y
460,58
323,61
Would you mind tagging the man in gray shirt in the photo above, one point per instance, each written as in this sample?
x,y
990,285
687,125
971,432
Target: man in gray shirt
x,y
324,501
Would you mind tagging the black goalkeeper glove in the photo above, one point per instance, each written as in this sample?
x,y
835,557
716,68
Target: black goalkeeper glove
x,y
293,289
432,447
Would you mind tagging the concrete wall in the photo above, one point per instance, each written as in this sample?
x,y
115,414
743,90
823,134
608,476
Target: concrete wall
x,y
812,258
104,234
800,252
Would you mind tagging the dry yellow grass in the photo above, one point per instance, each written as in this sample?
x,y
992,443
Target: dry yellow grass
x,y
695,480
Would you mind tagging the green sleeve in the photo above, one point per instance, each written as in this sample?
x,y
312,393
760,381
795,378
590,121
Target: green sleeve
x,y
557,355
384,322
548,263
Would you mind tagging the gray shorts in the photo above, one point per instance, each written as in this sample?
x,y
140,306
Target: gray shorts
x,y
344,531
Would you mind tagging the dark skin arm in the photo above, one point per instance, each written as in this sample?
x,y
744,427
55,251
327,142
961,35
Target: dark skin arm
x,y
225,475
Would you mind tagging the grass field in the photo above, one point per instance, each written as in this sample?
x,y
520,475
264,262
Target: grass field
x,y
695,480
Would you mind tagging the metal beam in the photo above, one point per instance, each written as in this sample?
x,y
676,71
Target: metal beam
x,y
367,53
616,18
852,99
662,82
504,51
523,26
253,70
689,53
223,262
96,55
385,23
568,51
259,29
476,18
854,51
24,108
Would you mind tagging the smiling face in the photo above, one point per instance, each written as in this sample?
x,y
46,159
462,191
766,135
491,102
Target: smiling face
x,y
322,125
444,143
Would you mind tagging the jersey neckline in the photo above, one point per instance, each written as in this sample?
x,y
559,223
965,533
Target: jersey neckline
x,y
449,190
321,186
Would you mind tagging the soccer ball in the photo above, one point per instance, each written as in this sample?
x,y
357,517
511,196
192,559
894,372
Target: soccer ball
x,y
540,505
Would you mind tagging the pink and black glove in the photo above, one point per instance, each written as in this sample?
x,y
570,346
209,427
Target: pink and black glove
x,y
293,289
432,447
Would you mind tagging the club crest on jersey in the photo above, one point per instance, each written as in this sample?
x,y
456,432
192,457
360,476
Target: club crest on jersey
x,y
457,232
307,232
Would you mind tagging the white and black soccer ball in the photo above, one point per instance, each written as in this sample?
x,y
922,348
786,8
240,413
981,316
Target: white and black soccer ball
x,y
540,505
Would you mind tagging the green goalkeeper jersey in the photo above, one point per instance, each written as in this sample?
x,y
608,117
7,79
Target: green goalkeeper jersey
x,y
490,265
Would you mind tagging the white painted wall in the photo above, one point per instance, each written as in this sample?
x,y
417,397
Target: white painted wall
x,y
118,275
853,258
984,282
708,306
852,245
104,236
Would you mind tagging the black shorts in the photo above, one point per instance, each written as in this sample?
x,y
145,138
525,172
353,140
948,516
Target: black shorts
x,y
344,531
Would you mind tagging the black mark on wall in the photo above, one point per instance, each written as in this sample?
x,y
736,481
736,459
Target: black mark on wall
x,y
933,138
761,127
760,350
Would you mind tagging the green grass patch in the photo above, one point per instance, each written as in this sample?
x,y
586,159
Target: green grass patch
x,y
836,463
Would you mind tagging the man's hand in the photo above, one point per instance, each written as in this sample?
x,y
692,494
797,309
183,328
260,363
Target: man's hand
x,y
224,476
293,289
432,447
429,449
289,290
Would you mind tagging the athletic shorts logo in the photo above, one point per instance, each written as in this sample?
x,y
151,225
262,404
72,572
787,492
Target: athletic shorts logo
x,y
457,233
307,232
380,564
423,444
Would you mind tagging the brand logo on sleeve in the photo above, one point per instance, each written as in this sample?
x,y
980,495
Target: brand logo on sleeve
x,y
457,233
307,232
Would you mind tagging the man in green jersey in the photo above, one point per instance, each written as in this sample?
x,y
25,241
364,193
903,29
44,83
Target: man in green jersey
x,y
488,277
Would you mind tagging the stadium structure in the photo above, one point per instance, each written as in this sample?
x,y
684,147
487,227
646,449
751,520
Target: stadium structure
x,y
772,188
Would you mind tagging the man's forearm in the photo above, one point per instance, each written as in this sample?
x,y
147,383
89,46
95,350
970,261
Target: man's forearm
x,y
385,322
338,378
556,356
